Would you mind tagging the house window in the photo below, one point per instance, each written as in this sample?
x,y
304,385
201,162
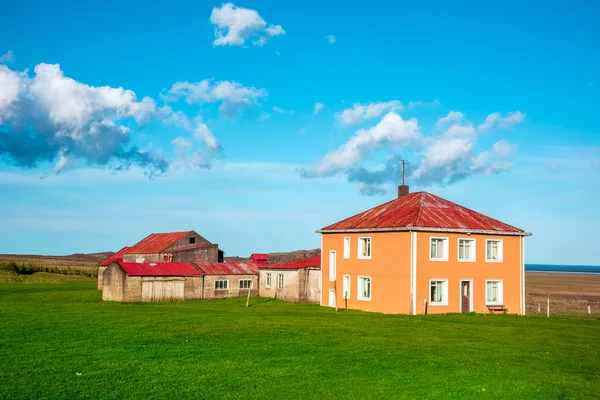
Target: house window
x,y
279,281
221,285
192,240
245,284
364,288
466,249
346,247
268,280
494,293
438,292
493,250
439,249
346,288
332,265
364,247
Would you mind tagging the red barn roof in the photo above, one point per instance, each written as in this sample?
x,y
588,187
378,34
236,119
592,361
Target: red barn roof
x,y
156,242
228,268
422,211
118,256
310,262
159,269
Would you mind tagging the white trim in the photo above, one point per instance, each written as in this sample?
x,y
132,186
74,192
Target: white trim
x,y
500,250
446,248
244,280
361,257
523,270
445,296
520,276
332,270
474,249
334,298
347,250
410,274
494,303
349,287
413,271
280,274
358,295
424,229
472,287
321,275
268,280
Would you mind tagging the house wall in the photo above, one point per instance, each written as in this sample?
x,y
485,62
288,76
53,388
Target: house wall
x,y
117,286
233,290
100,277
291,284
185,241
509,271
193,287
313,289
158,257
209,253
388,267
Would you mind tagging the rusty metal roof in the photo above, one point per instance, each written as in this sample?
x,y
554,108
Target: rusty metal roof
x,y
228,268
159,269
118,256
155,243
309,262
421,211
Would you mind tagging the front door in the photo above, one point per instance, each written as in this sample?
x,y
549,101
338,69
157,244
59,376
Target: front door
x,y
331,298
465,295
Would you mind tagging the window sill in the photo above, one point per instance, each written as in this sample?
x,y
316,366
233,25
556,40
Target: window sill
x,y
459,260
438,259
364,258
493,261
501,303
364,299
438,304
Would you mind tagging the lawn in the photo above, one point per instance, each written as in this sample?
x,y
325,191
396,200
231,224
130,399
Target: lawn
x,y
58,340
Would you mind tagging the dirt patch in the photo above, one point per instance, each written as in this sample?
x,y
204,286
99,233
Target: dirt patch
x,y
568,293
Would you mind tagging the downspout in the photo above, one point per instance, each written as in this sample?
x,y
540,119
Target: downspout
x,y
412,295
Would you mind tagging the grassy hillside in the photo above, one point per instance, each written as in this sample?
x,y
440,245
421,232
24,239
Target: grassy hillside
x,y
57,340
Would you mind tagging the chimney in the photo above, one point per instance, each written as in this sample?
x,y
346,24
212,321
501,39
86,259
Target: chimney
x,y
259,259
402,190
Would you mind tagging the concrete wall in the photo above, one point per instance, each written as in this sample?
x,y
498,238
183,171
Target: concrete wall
x,y
299,285
209,253
100,276
117,286
233,290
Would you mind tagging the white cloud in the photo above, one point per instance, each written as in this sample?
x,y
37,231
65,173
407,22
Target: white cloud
x,y
7,57
497,121
264,116
453,116
318,107
12,85
360,112
280,110
233,25
331,39
391,131
232,95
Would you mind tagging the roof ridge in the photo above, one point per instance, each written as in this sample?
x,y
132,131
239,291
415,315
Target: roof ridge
x,y
423,194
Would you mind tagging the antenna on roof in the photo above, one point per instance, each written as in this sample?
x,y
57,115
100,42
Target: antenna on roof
x,y
403,190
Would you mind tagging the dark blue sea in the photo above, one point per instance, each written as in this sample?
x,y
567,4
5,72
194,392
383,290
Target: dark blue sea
x,y
563,269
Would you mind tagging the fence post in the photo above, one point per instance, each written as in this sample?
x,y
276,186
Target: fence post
x,y
248,298
539,308
589,309
548,309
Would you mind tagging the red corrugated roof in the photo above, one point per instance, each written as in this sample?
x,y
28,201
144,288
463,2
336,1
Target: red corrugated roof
x,y
156,243
423,210
118,256
228,268
159,269
309,262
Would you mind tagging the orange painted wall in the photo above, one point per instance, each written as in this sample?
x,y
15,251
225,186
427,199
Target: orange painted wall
x,y
509,271
389,269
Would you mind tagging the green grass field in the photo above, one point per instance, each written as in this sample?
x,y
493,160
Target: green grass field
x,y
58,340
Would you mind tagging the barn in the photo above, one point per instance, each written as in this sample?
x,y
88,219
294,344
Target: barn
x,y
295,281
229,279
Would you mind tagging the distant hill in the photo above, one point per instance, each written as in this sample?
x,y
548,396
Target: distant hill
x,y
280,256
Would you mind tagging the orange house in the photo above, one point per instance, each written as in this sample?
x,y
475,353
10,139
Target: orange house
x,y
420,253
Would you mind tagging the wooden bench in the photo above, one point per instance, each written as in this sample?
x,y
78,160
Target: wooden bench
x,y
497,308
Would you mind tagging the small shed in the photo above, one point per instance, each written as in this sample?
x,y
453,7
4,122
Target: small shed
x,y
295,281
118,256
229,279
151,282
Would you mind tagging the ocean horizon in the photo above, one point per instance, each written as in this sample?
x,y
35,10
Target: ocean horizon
x,y
563,269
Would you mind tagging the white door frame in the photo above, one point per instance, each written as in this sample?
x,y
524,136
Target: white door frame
x,y
470,294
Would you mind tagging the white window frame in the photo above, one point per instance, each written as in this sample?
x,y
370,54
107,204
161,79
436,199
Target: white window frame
x,y
360,247
244,280
280,279
500,250
332,265
494,303
347,247
222,280
444,301
473,248
267,280
446,248
346,291
359,296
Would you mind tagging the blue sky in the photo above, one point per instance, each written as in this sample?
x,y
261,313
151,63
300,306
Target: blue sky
x,y
258,122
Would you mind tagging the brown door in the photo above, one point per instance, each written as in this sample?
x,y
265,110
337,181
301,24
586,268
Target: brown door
x,y
465,292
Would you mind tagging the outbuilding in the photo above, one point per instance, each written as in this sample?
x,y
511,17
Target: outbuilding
x,y
295,281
